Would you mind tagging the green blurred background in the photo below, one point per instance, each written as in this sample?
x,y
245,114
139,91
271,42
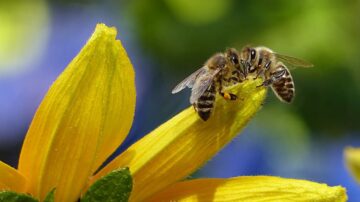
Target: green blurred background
x,y
169,39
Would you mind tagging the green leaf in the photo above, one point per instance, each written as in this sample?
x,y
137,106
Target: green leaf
x,y
10,196
115,186
50,197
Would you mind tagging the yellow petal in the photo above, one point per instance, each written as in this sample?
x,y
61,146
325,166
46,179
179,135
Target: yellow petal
x,y
184,143
11,179
83,118
352,158
251,189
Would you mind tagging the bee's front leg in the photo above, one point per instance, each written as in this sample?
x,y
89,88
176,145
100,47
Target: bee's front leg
x,y
260,73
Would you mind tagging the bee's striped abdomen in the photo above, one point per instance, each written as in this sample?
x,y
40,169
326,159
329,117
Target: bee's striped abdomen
x,y
284,87
205,104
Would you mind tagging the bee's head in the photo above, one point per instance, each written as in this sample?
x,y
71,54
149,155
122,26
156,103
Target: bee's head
x,y
217,61
248,54
248,59
232,56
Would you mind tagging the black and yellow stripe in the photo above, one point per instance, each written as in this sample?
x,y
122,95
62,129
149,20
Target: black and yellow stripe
x,y
205,104
284,88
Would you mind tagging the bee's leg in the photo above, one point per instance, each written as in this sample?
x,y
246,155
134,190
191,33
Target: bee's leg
x,y
242,74
226,95
227,80
262,70
235,78
239,72
274,76
243,69
194,105
267,82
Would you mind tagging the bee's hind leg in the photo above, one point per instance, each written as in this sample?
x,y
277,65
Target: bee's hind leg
x,y
228,96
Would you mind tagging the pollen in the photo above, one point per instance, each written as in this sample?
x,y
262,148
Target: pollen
x,y
227,96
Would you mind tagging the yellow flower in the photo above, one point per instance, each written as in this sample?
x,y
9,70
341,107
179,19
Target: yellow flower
x,y
87,114
352,158
250,189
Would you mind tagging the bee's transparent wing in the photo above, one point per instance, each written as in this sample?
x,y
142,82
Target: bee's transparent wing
x,y
292,61
188,81
202,84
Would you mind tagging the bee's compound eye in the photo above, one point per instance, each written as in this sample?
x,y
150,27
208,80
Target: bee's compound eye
x,y
234,60
252,69
252,54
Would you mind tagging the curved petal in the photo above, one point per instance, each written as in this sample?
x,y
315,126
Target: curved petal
x,y
11,179
83,118
251,189
352,158
184,143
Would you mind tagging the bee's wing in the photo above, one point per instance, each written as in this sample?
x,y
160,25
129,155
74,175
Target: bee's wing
x,y
188,81
292,61
201,84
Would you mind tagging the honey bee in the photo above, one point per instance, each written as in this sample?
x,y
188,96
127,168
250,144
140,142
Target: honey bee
x,y
220,70
261,61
